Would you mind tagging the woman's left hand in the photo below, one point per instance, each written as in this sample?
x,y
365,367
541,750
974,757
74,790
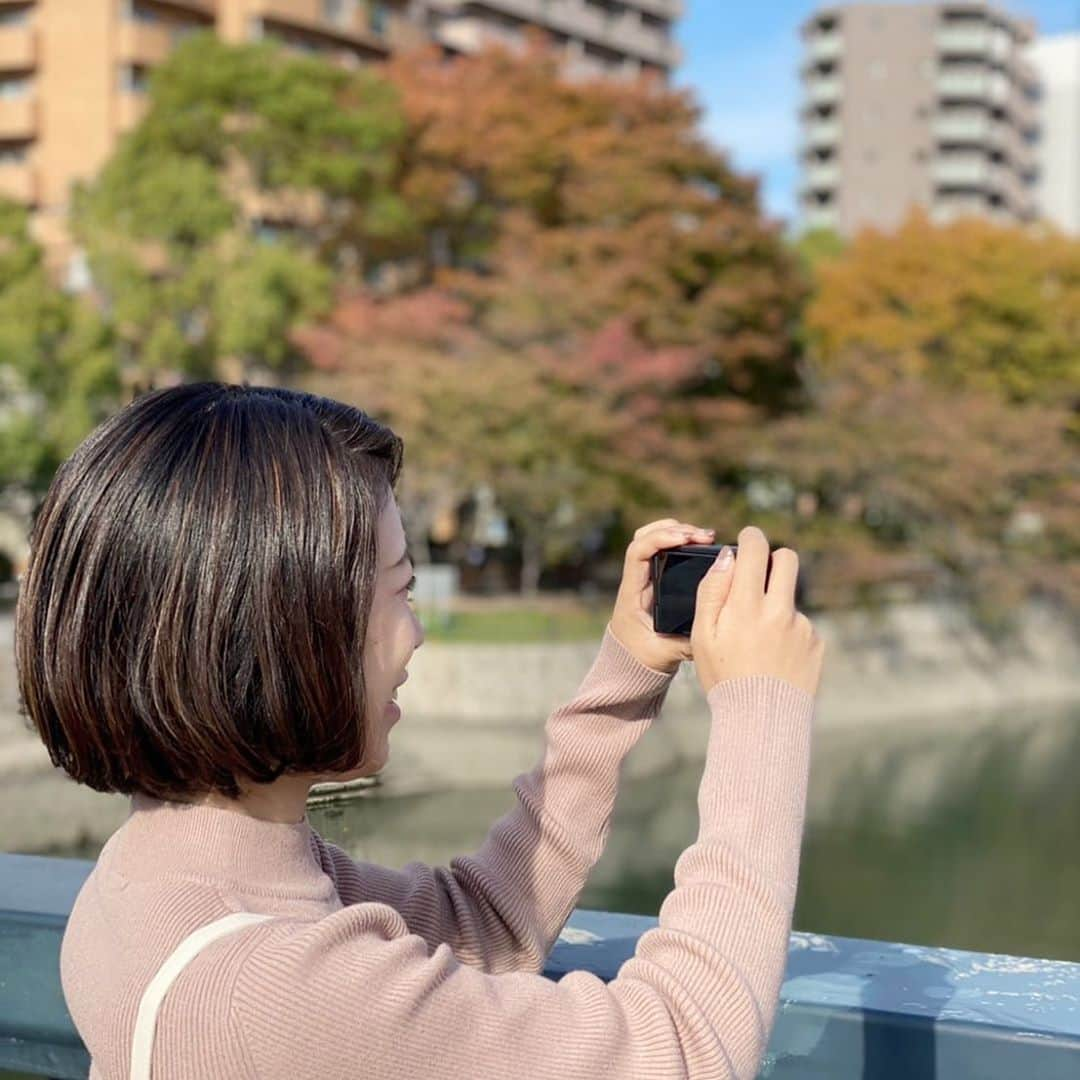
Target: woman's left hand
x,y
631,621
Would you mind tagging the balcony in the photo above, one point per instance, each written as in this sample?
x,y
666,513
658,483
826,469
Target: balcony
x,y
18,118
973,126
982,40
819,175
819,217
822,90
146,44
847,1007
823,47
662,9
630,35
820,132
18,181
18,48
977,84
980,128
966,170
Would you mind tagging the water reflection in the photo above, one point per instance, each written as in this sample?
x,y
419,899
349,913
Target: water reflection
x,y
959,832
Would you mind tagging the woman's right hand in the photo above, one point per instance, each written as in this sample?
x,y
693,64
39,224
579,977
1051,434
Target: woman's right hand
x,y
740,628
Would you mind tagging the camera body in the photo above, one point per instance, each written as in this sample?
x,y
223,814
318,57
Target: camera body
x,y
676,574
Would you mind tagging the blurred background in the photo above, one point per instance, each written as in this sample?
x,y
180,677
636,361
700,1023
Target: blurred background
x,y
810,267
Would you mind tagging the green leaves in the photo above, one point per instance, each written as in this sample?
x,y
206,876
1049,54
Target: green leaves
x,y
215,226
58,370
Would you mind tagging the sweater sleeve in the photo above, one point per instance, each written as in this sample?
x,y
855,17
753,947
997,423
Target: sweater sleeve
x,y
501,909
357,994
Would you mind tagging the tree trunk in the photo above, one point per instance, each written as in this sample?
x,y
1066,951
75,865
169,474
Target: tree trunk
x,y
531,565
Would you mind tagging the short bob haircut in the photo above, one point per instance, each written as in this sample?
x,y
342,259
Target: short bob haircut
x,y
195,604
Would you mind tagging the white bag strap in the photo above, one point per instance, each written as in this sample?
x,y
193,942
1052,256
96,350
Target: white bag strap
x,y
142,1046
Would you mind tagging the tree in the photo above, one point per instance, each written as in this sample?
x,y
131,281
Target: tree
x,y
58,370
942,446
618,299
972,304
556,206
471,413
219,221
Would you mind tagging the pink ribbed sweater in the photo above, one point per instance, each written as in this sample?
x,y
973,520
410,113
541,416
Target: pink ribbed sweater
x,y
434,972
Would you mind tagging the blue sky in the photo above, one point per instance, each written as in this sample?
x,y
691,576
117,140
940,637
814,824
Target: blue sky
x,y
741,61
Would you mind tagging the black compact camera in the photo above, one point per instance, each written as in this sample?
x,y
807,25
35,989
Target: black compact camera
x,y
676,573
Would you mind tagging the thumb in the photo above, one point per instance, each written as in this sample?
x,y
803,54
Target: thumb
x,y
715,585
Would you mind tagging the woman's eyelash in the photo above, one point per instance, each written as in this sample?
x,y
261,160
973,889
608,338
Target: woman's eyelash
x,y
411,585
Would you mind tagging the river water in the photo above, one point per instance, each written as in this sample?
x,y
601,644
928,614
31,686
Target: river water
x,y
960,831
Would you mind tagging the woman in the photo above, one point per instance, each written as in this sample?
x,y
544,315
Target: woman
x,y
215,616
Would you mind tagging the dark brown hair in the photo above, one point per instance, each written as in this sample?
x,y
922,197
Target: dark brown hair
x,y
200,578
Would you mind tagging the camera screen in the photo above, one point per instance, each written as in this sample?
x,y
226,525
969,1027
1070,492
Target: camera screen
x,y
677,591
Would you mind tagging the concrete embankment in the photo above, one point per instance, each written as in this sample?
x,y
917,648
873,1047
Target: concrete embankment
x,y
474,714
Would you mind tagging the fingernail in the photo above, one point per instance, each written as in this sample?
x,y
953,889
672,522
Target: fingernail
x,y
724,559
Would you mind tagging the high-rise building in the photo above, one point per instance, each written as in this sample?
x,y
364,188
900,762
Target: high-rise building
x,y
916,104
74,73
1057,190
601,37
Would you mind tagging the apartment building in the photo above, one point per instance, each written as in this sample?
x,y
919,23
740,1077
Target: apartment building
x,y
609,38
1057,189
934,105
74,73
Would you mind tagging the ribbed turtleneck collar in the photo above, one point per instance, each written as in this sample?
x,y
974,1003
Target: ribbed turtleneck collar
x,y
210,842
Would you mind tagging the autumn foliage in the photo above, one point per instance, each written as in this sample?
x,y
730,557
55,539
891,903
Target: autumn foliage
x,y
560,290
591,314
622,313
942,446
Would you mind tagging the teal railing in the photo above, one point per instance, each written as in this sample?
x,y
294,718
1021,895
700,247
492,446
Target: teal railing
x,y
865,1010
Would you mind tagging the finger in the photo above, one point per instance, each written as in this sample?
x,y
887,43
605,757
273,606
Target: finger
x,y
668,523
782,577
653,525
751,562
712,593
645,545
640,552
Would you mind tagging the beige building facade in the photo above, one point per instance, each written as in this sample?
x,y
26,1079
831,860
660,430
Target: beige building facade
x,y
917,104
74,73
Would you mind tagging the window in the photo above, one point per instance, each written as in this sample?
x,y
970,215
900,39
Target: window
x,y
134,78
606,8
140,13
14,86
336,11
379,19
